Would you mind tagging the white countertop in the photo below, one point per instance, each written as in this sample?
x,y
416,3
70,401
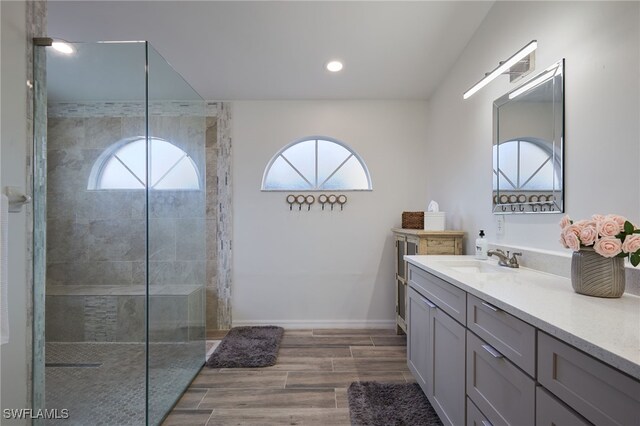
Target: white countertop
x,y
607,329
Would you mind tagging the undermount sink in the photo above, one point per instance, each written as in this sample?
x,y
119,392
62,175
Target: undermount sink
x,y
475,267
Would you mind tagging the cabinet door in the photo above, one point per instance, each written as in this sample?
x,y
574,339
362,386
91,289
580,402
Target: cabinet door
x,y
401,303
511,336
474,416
600,393
400,252
552,412
419,339
447,391
412,246
504,394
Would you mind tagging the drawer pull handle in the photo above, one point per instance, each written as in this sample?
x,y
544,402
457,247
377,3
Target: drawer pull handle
x,y
490,306
492,351
428,303
486,423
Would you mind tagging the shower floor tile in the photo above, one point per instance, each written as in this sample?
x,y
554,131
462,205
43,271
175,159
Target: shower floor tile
x,y
104,383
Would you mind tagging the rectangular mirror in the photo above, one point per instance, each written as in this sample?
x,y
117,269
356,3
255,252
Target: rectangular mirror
x,y
528,136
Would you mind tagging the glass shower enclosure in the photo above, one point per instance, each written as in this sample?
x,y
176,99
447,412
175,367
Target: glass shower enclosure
x,y
119,234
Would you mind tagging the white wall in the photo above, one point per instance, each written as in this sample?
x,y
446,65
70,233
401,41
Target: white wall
x,y
601,44
13,356
322,268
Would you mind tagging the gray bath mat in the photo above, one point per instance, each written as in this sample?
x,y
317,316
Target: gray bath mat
x,y
247,347
386,404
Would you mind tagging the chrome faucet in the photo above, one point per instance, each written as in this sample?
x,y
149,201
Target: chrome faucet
x,y
505,260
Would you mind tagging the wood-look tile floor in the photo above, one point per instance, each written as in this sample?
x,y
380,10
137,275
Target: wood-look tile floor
x,y
307,386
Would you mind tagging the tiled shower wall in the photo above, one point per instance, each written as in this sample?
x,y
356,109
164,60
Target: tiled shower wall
x,y
97,238
222,204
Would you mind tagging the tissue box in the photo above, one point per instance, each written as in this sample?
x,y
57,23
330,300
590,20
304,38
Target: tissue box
x,y
434,221
412,220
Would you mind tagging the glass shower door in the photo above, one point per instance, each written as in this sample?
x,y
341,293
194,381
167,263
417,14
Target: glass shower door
x,y
176,237
94,297
119,332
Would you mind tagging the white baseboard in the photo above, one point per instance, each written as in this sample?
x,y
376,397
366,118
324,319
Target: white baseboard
x,y
298,324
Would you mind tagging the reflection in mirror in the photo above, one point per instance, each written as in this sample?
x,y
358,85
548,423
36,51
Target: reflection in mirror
x,y
528,127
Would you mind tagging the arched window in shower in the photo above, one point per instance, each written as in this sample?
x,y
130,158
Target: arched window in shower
x,y
123,166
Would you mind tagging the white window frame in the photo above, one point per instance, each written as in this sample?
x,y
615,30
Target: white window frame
x,y
316,186
111,151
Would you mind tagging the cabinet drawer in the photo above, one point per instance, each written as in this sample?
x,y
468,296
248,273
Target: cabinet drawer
x,y
446,296
511,336
443,246
552,412
474,416
501,391
600,393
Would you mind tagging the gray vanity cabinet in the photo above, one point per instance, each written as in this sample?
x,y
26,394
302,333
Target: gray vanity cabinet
x,y
600,393
480,365
447,355
418,339
511,336
504,394
435,353
474,416
551,412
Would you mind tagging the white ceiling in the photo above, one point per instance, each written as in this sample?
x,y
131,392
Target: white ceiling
x,y
239,50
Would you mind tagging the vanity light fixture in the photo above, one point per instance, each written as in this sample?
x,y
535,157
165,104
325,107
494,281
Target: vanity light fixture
x,y
524,55
334,66
62,47
544,76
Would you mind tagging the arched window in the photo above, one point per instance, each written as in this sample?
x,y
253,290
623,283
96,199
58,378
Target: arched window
x,y
525,164
316,164
123,166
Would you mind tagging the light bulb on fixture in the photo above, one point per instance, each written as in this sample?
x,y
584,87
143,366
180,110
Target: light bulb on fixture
x,y
62,47
531,84
503,67
334,66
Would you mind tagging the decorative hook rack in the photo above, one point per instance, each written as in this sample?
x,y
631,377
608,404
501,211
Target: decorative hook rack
x,y
309,200
521,203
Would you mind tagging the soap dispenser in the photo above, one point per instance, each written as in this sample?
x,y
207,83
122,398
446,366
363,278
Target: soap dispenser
x,y
481,246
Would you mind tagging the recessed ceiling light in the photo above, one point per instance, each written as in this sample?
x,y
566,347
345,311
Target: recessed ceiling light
x,y
62,47
334,66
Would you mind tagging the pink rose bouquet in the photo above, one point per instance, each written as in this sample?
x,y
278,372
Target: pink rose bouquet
x,y
610,236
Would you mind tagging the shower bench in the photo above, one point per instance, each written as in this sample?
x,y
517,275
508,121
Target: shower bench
x,y
116,313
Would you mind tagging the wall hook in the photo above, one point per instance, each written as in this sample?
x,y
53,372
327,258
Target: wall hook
x,y
342,200
17,198
310,199
332,200
322,199
291,199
